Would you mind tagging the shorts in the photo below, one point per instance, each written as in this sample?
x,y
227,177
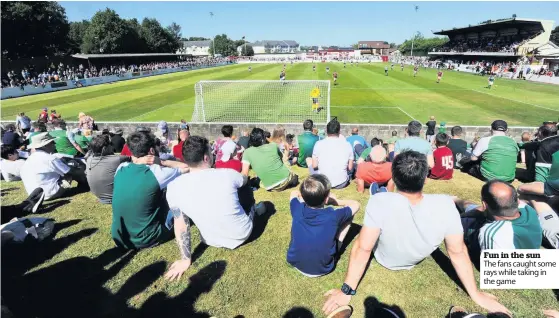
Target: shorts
x,y
549,190
315,100
335,79
291,181
438,78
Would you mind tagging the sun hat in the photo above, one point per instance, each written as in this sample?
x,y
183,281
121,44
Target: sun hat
x,y
118,131
40,140
227,150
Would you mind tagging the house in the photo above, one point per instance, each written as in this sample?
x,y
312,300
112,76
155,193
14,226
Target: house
x,y
271,47
373,47
196,48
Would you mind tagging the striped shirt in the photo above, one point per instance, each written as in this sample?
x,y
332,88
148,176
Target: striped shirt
x,y
523,232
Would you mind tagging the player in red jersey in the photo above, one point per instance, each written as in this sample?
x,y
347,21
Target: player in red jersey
x,y
335,76
444,160
439,76
415,69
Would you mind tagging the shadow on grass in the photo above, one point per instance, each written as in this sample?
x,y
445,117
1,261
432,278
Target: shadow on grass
x,y
298,312
15,211
446,265
3,192
260,222
354,230
374,308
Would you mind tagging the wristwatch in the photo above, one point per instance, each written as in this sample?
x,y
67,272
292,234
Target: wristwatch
x,y
347,290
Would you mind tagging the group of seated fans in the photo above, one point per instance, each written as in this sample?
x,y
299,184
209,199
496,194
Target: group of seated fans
x,y
158,187
508,43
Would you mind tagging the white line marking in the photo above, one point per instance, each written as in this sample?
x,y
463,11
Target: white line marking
x,y
372,107
402,88
514,100
405,112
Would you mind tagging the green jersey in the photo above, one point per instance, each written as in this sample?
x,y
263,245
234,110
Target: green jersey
x,y
498,156
306,143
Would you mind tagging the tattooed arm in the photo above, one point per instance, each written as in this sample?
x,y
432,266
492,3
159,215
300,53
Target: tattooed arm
x,y
182,236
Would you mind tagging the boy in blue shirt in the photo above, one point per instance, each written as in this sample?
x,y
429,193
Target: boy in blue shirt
x,y
317,231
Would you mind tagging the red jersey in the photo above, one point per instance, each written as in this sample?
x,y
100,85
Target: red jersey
x,y
335,75
177,151
43,116
444,164
439,74
126,151
229,164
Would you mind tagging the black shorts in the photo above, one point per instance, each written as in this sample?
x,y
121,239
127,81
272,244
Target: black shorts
x,y
315,100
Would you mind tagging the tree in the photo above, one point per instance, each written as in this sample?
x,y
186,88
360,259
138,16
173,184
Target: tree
x,y
393,45
355,46
247,50
158,39
76,35
175,30
422,44
33,29
555,35
223,46
108,33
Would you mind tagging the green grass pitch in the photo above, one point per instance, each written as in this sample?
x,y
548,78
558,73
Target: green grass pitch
x,y
364,95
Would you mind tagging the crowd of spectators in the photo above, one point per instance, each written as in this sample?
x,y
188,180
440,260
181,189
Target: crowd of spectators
x,y
505,44
31,76
157,186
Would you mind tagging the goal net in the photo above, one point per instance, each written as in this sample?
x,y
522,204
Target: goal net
x,y
261,101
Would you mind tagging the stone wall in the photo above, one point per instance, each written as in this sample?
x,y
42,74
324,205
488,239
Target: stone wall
x,y
213,130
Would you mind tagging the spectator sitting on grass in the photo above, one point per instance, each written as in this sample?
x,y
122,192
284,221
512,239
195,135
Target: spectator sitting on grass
x,y
444,161
23,123
501,222
524,138
365,154
65,145
494,157
85,122
375,174
285,148
79,139
218,201
265,160
333,157
177,149
357,143
548,148
431,124
117,141
11,137
547,189
141,216
229,158
415,143
317,231
293,150
404,228
227,131
36,128
306,142
458,146
11,163
243,140
101,166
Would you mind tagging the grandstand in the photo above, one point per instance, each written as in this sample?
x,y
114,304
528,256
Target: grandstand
x,y
502,39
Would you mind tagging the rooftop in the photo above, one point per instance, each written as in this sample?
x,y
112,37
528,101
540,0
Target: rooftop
x,y
196,43
491,25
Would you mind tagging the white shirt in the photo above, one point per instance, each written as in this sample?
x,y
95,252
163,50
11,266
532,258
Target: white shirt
x,y
209,197
11,169
43,170
333,154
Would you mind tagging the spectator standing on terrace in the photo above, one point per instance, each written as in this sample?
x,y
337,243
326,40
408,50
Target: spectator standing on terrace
x,y
85,122
64,140
430,134
374,174
141,215
457,145
218,201
23,123
101,166
415,143
177,149
306,142
333,157
265,160
11,163
117,142
317,231
356,142
494,157
404,228
444,161
501,222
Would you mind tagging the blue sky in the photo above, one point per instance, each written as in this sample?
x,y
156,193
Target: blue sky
x,y
316,23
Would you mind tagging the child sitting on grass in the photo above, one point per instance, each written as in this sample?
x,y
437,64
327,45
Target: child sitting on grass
x,y
444,160
317,231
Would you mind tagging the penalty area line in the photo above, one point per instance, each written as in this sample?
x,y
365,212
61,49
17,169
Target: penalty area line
x,y
405,112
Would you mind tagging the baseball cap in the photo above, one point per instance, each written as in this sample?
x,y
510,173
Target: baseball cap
x,y
227,150
162,126
499,125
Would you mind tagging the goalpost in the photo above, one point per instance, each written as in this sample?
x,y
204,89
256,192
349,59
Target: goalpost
x,y
260,101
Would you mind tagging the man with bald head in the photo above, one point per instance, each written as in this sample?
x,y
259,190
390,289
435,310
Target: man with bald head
x,y
501,222
358,143
375,174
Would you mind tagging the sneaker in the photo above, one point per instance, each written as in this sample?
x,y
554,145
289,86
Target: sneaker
x,y
341,312
260,208
374,188
34,201
457,312
383,189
